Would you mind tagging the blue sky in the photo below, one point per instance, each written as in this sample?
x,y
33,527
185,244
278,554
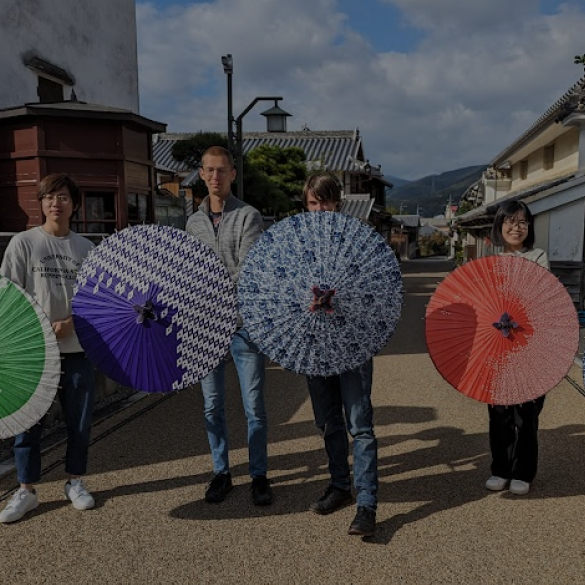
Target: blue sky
x,y
431,85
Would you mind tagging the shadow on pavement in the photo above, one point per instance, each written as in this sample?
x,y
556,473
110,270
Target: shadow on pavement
x,y
560,474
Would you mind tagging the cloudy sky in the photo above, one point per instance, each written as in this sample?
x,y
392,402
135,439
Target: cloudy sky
x,y
432,85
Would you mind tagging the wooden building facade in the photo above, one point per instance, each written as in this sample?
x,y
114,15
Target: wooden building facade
x,y
107,151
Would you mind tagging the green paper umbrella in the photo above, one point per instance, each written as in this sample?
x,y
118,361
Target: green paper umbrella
x,y
30,363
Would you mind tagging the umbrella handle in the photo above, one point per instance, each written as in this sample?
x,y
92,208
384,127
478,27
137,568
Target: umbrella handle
x,y
145,312
322,299
505,324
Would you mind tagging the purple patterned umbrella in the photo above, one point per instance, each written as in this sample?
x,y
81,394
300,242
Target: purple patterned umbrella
x,y
154,308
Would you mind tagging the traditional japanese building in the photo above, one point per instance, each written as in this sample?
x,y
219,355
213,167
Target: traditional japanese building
x,y
545,168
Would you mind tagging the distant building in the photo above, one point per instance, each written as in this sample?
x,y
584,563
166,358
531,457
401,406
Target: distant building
x,y
340,152
545,168
405,234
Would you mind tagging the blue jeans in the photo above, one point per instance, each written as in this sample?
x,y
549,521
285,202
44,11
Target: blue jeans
x,y
76,395
349,392
249,364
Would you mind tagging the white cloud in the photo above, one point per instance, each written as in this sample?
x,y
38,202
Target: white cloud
x,y
483,73
449,16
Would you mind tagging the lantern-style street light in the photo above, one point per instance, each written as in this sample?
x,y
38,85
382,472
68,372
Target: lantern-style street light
x,y
275,122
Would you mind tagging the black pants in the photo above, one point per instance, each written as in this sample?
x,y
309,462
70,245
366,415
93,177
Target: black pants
x,y
514,439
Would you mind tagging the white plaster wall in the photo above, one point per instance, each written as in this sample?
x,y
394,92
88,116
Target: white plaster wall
x,y
565,232
541,227
566,161
93,40
567,152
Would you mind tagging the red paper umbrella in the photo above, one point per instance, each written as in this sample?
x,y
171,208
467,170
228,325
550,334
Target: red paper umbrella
x,y
502,330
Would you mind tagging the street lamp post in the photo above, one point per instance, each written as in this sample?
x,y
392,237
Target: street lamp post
x,y
272,116
228,68
275,118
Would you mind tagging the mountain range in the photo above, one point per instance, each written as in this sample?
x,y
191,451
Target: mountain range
x,y
431,194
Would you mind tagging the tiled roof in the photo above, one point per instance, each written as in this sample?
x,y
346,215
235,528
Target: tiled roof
x,y
359,208
556,111
162,154
486,211
429,230
330,150
408,220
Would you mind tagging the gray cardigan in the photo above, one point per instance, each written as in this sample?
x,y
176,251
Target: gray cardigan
x,y
241,225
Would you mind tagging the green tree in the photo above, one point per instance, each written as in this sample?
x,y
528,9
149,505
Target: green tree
x,y
272,175
284,167
464,207
433,244
261,192
580,60
190,149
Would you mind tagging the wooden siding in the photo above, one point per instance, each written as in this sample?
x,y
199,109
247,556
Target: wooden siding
x,y
93,152
571,274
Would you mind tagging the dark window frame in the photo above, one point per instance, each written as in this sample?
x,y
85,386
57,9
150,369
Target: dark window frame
x,y
100,224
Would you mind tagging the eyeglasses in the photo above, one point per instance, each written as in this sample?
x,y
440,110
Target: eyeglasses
x,y
522,224
210,171
51,198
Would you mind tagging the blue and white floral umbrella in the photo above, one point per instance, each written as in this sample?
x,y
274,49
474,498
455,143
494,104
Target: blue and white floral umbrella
x,y
320,293
154,308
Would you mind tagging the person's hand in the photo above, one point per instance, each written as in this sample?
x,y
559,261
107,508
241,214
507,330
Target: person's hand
x,y
63,328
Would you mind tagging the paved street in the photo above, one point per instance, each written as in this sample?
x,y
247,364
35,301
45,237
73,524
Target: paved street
x,y
437,523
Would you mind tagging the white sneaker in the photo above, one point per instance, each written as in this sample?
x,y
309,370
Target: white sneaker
x,y
496,484
519,487
22,502
80,498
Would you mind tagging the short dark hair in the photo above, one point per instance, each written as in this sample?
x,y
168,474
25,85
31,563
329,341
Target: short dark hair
x,y
56,181
324,186
219,151
514,209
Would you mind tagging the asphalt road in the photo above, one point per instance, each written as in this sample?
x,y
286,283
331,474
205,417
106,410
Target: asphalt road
x,y
436,521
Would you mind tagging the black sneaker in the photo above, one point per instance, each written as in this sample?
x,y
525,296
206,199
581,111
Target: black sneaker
x,y
219,488
261,491
333,499
364,523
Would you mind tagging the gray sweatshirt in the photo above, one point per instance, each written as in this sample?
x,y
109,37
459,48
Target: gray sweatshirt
x,y
240,226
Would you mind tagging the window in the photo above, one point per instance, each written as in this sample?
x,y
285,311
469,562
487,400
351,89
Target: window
x,y
137,208
523,169
548,157
170,215
50,78
96,214
49,91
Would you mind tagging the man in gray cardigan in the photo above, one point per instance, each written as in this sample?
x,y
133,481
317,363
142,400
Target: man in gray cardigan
x,y
230,227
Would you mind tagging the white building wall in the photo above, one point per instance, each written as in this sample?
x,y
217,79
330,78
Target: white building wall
x,y
541,227
565,232
567,152
93,40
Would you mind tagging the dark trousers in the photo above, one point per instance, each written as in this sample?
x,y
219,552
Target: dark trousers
x,y
514,439
76,394
342,404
